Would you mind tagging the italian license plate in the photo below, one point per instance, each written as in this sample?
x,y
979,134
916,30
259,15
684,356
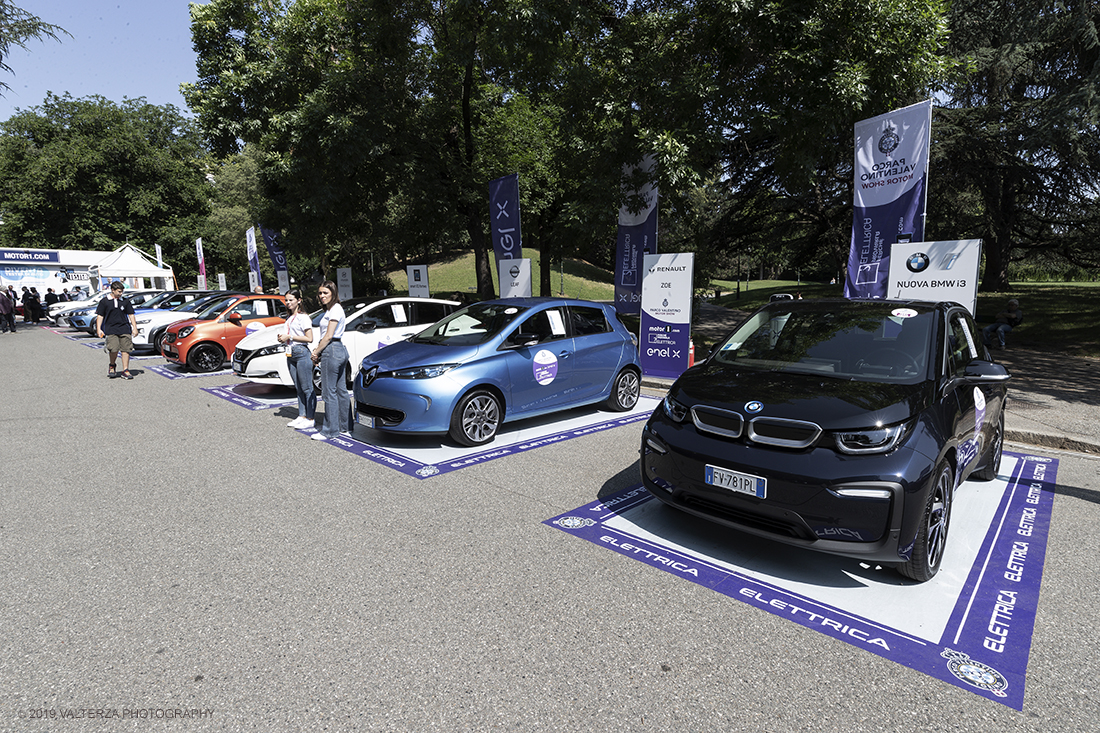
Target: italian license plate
x,y
741,483
237,367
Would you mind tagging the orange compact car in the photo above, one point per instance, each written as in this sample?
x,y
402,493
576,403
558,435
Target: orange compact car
x,y
202,343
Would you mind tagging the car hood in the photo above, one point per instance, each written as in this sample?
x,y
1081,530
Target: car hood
x,y
834,404
406,354
260,339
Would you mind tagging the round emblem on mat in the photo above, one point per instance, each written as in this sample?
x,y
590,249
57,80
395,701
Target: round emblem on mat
x,y
574,522
427,471
975,673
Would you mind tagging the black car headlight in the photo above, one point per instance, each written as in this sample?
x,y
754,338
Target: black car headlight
x,y
424,372
269,350
185,332
674,409
878,439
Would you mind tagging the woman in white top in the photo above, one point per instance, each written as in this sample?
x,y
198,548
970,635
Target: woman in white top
x,y
333,358
297,335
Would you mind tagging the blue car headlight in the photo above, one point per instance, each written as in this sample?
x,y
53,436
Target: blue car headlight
x,y
872,440
424,372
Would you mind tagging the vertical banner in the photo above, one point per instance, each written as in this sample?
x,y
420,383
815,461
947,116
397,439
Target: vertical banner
x,y
253,259
160,255
418,281
278,257
936,271
637,238
665,332
343,283
515,278
891,188
221,281
504,218
202,264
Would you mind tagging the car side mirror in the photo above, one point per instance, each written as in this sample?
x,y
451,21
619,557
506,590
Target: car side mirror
x,y
234,318
366,325
520,339
986,371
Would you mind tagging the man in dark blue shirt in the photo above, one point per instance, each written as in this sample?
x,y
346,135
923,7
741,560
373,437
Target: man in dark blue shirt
x,y
115,321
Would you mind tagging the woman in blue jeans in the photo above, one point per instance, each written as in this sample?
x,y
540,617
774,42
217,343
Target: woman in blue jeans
x,y
333,358
297,335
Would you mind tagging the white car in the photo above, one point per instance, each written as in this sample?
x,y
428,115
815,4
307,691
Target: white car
x,y
152,325
371,324
59,312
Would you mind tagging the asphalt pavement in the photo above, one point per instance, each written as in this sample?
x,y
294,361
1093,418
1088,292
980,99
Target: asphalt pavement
x,y
162,549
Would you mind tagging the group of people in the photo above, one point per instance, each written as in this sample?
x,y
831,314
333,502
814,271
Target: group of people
x,y
34,305
330,354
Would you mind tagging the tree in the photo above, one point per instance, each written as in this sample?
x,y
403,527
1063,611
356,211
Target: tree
x,y
92,174
17,27
1016,154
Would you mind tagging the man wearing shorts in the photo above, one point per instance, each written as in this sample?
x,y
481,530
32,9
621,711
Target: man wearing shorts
x,y
115,320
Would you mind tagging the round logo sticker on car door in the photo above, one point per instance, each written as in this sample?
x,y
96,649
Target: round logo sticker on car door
x,y
545,367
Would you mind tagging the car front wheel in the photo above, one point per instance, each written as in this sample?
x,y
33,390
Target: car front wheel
x,y
476,419
625,391
205,358
932,534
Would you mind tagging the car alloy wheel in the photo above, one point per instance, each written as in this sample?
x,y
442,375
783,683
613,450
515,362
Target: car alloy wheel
x,y
625,391
476,419
205,358
992,464
932,534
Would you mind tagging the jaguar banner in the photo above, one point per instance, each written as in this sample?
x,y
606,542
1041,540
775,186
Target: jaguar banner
x,y
891,187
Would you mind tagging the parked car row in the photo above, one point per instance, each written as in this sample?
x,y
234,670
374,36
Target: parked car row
x,y
839,426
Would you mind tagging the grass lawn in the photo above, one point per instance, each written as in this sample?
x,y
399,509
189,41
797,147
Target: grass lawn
x,y
1058,317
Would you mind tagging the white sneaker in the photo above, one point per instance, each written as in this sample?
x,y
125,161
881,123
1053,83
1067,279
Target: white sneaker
x,y
318,436
306,423
296,422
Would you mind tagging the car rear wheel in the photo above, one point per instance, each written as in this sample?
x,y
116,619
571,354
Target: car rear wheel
x,y
992,463
158,342
476,419
625,391
932,534
205,358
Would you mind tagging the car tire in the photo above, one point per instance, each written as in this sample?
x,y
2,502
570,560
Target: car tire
x,y
317,386
476,419
158,342
931,540
991,466
205,358
625,391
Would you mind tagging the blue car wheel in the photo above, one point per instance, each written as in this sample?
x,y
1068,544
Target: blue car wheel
x,y
476,419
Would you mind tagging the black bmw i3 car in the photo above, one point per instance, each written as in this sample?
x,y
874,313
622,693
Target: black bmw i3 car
x,y
842,426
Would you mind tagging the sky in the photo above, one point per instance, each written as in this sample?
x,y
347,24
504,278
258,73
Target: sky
x,y
119,49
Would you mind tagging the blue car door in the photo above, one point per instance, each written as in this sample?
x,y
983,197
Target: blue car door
x,y
598,352
540,363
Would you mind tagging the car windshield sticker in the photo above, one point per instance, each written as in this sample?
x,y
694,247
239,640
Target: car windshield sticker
x,y
398,311
903,312
557,325
970,626
261,308
545,367
511,311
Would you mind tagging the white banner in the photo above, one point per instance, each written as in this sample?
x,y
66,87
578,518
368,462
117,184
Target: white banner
x,y
515,278
665,330
418,281
936,271
343,283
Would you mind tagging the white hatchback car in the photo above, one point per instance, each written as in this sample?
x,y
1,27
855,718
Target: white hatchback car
x,y
371,324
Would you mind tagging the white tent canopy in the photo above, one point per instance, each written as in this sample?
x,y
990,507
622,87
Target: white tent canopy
x,y
128,261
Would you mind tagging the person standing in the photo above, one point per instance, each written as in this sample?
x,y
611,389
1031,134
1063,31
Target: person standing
x,y
333,359
1003,324
114,319
7,312
297,336
51,298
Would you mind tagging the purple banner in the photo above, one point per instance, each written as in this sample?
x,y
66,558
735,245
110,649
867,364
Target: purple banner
x,y
637,237
504,218
973,633
274,249
891,169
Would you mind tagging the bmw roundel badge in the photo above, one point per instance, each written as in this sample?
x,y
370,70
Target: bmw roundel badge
x,y
917,262
754,406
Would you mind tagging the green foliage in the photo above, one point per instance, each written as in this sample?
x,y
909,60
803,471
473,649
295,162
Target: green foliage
x,y
17,28
92,174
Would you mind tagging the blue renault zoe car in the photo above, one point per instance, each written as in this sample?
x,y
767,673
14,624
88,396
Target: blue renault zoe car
x,y
498,361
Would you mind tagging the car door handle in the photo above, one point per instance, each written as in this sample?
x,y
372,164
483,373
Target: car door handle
x,y
565,354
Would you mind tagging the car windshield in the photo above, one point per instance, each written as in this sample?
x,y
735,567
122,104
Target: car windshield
x,y
216,308
849,340
474,324
199,304
351,308
157,299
